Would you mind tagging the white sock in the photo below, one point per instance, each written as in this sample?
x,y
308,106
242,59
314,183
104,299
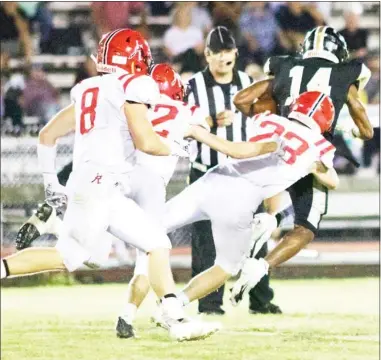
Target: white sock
x,y
184,300
3,271
129,313
172,308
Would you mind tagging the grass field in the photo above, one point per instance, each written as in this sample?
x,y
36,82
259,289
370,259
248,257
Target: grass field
x,y
323,320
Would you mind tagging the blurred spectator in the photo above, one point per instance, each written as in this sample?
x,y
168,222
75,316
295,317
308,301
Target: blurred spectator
x,y
86,70
40,98
261,32
355,37
227,14
15,36
255,71
200,17
41,19
325,8
371,148
12,87
184,43
295,19
143,27
371,155
185,76
111,15
160,8
373,86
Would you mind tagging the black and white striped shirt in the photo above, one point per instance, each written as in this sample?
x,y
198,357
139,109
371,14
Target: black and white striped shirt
x,y
205,92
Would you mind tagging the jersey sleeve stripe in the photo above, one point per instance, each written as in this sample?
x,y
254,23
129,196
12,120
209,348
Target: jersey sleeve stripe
x,y
129,80
122,77
327,149
260,137
322,141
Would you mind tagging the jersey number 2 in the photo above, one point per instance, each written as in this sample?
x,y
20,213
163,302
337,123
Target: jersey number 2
x,y
318,82
279,130
170,115
88,104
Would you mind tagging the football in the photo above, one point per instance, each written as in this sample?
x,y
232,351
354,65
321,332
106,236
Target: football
x,y
261,105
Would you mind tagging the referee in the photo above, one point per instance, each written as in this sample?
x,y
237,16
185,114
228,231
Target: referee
x,y
213,89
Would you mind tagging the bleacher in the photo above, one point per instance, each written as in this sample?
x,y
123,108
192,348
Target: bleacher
x,y
61,68
361,209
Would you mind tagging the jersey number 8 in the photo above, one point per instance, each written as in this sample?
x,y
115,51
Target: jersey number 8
x,y
88,104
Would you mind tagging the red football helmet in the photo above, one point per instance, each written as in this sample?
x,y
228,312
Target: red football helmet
x,y
169,81
313,109
123,49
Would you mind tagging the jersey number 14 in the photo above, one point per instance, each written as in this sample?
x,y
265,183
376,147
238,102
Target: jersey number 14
x,y
318,82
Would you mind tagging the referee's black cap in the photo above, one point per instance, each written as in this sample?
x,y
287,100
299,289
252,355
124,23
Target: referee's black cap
x,y
220,38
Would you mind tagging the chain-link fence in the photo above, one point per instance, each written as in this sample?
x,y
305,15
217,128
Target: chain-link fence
x,y
22,184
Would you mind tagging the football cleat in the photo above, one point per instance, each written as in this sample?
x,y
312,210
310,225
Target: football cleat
x,y
124,330
184,329
158,319
42,222
269,308
189,330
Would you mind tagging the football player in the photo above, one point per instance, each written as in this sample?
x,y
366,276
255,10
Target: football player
x,y
109,116
229,194
323,65
139,184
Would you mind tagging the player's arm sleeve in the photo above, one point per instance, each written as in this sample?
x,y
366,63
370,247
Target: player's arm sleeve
x,y
141,89
327,155
270,67
363,76
324,171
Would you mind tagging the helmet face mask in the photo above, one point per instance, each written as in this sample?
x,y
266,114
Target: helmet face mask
x,y
169,81
325,42
123,50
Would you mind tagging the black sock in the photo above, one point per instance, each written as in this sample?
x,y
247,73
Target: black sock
x,y
278,219
6,267
285,213
169,296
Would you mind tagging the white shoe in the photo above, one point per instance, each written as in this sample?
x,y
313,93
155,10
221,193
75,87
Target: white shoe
x,y
187,330
263,226
252,272
167,316
158,319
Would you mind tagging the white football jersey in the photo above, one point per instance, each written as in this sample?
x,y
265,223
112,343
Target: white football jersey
x,y
170,119
275,173
102,136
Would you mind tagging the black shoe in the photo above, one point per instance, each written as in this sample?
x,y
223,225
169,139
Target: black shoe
x,y
216,311
34,227
124,330
266,309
